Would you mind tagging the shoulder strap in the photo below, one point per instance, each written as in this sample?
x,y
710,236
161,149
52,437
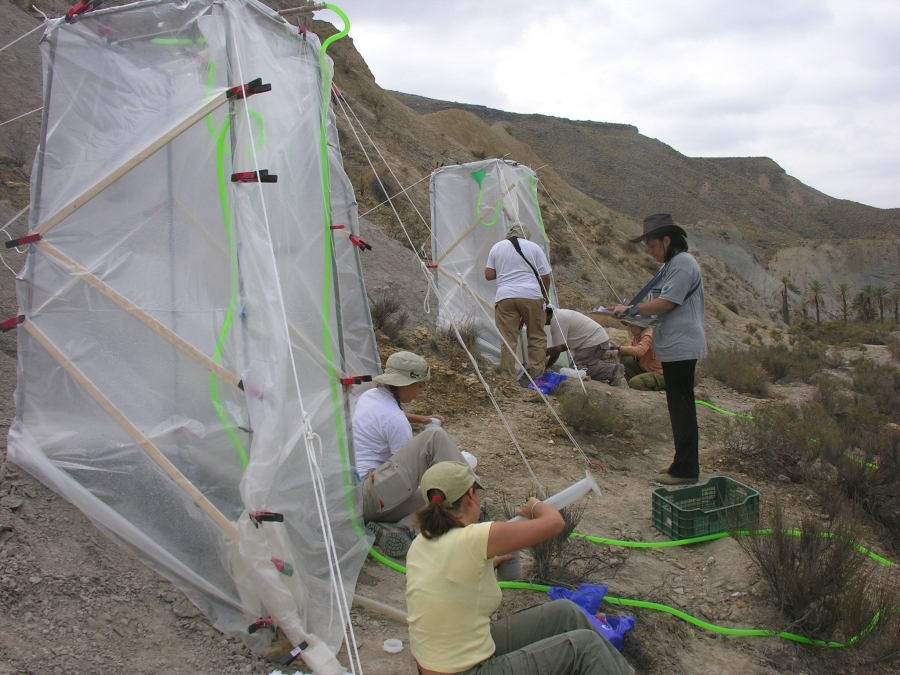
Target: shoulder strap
x,y
518,247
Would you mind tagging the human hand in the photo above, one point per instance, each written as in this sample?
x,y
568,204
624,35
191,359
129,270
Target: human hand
x,y
435,417
619,310
500,559
527,510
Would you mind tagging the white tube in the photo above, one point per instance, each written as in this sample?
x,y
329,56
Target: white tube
x,y
571,494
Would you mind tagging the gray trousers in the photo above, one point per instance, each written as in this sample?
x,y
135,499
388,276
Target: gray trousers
x,y
391,492
591,359
555,638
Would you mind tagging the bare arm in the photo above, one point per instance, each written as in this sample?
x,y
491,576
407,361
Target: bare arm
x,y
649,307
490,274
509,537
422,419
545,281
553,354
638,350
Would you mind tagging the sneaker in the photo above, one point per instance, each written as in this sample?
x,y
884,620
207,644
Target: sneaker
x,y
664,469
391,539
675,480
618,377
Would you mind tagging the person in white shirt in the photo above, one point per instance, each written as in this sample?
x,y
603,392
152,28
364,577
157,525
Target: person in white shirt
x,y
390,461
523,280
586,340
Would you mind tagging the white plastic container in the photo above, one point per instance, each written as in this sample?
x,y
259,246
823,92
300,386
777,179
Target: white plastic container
x,y
434,423
571,372
393,646
471,459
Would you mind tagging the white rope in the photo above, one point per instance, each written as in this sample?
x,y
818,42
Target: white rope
x,y
490,321
21,116
38,27
334,569
14,218
9,237
574,234
402,192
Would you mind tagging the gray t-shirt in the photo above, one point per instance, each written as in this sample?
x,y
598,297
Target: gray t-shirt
x,y
679,336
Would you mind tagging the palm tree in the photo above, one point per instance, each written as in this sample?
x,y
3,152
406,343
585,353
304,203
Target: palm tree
x,y
862,303
843,290
879,294
816,289
786,286
894,296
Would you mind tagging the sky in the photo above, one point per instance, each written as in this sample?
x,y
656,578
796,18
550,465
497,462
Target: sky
x,y
812,84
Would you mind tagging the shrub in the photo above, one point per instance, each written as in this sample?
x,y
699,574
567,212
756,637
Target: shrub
x,y
469,330
581,411
894,349
783,439
388,317
820,582
380,185
732,367
880,383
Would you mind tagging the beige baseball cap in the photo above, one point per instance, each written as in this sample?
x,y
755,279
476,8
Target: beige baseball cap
x,y
403,368
517,229
452,478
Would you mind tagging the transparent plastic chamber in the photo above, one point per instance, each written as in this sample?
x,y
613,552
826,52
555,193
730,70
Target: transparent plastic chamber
x,y
185,336
472,207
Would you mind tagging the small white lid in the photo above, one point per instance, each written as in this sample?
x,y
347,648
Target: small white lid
x,y
393,646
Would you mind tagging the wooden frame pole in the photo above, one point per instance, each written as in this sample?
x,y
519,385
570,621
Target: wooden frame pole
x,y
473,226
119,417
164,332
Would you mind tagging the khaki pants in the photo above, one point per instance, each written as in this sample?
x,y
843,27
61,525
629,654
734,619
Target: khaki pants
x,y
391,492
591,359
507,314
551,639
640,379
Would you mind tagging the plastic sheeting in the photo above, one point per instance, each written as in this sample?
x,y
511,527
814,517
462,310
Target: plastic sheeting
x,y
185,335
472,207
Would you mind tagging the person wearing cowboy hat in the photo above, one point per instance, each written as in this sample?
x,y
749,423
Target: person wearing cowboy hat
x,y
679,338
389,460
522,273
451,591
643,370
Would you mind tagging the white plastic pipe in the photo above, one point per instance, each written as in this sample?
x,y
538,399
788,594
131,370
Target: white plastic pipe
x,y
571,494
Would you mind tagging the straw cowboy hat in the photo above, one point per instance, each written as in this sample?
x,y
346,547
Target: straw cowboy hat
x,y
659,224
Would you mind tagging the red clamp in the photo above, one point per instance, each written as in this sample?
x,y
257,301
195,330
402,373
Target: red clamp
x,y
246,90
82,7
335,93
261,624
266,516
14,322
285,568
431,267
21,241
594,464
356,379
360,243
261,176
338,227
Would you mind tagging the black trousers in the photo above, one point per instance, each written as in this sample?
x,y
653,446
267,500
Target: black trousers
x,y
679,377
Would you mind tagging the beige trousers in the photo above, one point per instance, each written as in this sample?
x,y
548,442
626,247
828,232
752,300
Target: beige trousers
x,y
391,492
507,314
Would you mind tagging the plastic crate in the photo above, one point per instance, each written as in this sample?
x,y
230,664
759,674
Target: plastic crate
x,y
705,509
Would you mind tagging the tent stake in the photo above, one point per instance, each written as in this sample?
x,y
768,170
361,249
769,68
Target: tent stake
x,y
152,451
139,314
380,607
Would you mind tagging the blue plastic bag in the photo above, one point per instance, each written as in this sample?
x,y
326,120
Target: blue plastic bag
x,y
548,383
589,598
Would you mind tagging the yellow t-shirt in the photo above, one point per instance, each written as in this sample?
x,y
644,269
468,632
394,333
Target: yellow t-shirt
x,y
451,592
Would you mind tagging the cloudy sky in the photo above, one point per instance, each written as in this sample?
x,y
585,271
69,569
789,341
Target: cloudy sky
x,y
813,84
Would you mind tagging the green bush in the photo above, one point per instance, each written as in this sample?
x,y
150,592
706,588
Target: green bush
x,y
583,413
880,384
734,368
388,317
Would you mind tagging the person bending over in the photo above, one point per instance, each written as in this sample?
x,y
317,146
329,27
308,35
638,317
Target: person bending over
x,y
586,340
451,592
389,460
642,369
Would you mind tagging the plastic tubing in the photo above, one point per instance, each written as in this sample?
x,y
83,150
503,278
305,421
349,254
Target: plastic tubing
x,y
571,494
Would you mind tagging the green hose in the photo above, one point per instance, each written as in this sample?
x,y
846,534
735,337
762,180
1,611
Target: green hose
x,y
684,616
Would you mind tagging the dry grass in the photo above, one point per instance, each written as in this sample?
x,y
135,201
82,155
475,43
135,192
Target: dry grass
x,y
469,330
582,412
734,368
387,316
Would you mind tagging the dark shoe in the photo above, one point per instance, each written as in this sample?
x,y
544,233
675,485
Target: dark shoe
x,y
675,480
391,539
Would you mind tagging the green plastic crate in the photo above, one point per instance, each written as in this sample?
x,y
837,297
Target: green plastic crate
x,y
705,509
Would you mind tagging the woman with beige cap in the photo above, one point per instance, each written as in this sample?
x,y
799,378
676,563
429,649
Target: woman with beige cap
x,y
389,460
451,592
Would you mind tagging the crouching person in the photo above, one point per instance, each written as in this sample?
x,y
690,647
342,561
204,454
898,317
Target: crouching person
x,y
389,460
451,592
642,369
586,340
